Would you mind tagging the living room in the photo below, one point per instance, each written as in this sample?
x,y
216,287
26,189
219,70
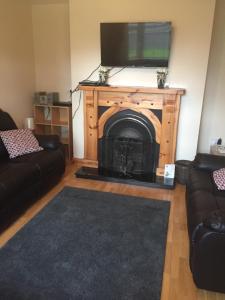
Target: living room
x,y
53,45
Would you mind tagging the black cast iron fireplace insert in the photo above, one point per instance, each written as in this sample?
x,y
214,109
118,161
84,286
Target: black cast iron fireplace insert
x,y
128,148
128,152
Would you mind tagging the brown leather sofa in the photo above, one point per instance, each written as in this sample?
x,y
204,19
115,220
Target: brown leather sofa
x,y
25,178
206,223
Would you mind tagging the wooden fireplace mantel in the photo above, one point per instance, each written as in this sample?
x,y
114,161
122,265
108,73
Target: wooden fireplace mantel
x,y
143,100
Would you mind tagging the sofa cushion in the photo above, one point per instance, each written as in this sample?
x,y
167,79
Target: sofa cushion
x,y
220,202
199,180
202,201
47,161
216,221
14,178
3,151
48,141
199,205
209,162
6,122
219,193
19,142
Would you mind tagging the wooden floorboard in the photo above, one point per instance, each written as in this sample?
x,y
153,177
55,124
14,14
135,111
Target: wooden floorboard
x,y
177,278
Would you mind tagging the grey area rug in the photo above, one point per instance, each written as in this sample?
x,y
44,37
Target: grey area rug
x,y
88,245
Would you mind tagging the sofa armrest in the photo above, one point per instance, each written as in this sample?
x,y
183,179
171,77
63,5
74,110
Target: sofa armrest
x,y
216,221
208,162
50,142
207,257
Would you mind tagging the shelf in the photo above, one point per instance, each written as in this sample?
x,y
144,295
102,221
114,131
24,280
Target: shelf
x,y
47,123
52,106
63,124
51,119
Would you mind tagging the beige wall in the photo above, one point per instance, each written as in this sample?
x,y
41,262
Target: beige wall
x,y
192,22
51,46
16,59
212,124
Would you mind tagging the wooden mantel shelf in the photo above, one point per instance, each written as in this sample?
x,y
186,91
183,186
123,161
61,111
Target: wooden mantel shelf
x,y
102,102
136,89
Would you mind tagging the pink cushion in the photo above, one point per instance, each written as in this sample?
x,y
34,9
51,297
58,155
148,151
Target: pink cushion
x,y
19,142
219,178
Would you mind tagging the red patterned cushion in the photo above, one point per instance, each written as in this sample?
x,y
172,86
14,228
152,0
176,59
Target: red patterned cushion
x,y
219,178
19,142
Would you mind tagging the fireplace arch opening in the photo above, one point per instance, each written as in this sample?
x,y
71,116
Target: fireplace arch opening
x,y
128,147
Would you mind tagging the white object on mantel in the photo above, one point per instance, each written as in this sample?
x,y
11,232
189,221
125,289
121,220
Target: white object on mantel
x,y
217,150
29,123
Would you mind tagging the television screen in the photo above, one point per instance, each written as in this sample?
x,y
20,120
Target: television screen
x,y
135,44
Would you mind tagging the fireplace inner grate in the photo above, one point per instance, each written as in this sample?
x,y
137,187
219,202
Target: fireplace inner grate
x,y
128,148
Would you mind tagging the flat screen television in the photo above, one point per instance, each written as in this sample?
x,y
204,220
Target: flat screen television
x,y
135,44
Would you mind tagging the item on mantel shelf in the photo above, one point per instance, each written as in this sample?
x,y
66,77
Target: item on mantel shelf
x,y
161,78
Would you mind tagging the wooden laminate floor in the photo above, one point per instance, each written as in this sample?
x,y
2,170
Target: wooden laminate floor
x,y
177,279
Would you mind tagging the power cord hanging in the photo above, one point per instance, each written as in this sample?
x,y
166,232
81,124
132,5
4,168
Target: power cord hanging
x,y
117,71
77,89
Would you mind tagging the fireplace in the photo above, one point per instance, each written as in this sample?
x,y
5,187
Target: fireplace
x,y
128,148
130,133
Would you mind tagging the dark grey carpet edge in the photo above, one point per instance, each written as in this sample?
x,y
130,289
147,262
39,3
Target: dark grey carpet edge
x,y
88,245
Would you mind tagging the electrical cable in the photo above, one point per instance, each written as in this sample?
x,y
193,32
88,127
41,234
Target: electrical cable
x,y
93,72
77,89
117,71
